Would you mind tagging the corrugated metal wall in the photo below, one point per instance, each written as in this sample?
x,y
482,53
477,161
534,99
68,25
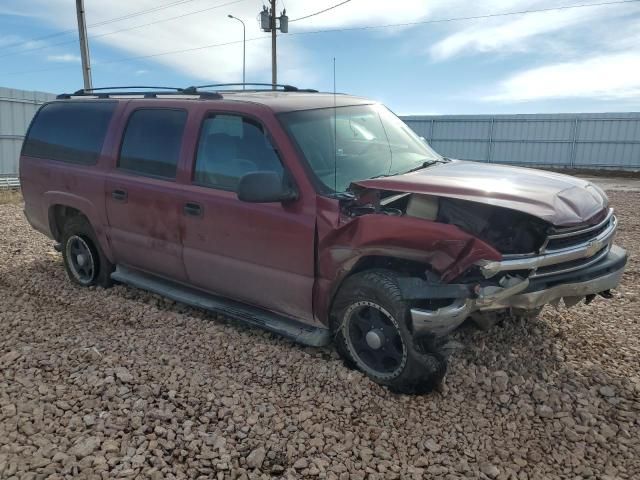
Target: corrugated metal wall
x,y
585,140
16,110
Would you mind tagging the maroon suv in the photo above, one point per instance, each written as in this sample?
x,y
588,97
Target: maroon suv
x,y
316,216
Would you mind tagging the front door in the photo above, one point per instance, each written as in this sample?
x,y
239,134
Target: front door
x,y
261,254
144,203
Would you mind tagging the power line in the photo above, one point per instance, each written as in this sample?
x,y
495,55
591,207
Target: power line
x,y
370,27
457,19
166,19
41,47
122,29
141,12
141,57
321,11
98,24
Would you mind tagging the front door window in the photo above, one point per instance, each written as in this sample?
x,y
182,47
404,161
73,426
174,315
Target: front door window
x,y
229,147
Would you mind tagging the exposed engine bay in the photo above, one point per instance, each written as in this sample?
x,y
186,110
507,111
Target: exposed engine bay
x,y
509,231
524,274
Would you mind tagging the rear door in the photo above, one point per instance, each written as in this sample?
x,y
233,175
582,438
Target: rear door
x,y
261,254
144,201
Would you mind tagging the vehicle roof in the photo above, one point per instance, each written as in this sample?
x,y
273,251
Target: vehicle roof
x,y
292,101
277,101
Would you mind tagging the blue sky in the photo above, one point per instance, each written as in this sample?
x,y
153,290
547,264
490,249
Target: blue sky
x,y
572,60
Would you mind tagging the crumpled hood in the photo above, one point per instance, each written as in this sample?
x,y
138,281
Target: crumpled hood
x,y
559,199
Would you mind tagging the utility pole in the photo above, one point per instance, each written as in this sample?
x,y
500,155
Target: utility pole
x,y
274,63
84,45
269,23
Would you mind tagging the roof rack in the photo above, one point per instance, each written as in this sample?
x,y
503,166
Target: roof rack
x,y
284,87
154,92
148,92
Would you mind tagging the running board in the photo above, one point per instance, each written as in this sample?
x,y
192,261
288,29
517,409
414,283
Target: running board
x,y
293,329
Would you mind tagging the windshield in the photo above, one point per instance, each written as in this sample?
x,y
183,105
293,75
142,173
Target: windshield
x,y
346,144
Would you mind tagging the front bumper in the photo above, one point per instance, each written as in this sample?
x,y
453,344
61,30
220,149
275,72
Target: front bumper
x,y
528,294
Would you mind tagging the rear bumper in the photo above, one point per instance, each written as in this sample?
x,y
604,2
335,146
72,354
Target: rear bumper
x,y
526,295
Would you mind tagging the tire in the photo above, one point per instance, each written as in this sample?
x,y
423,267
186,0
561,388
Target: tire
x,y
370,321
84,261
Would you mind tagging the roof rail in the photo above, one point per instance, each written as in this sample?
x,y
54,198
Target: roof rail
x,y
128,86
284,87
154,92
149,92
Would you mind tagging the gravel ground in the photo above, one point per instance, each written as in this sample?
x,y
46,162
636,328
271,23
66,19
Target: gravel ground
x,y
120,383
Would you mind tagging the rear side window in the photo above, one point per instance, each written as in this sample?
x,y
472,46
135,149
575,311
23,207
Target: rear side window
x,y
229,147
70,131
152,141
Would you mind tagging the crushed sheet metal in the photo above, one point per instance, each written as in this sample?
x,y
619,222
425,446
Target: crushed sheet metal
x,y
446,248
558,199
444,320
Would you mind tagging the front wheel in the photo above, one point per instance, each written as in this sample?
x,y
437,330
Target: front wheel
x,y
371,330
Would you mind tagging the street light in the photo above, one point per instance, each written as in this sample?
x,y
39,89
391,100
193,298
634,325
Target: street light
x,y
244,46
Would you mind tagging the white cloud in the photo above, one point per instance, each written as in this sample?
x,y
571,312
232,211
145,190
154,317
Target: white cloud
x,y
505,35
207,28
357,13
212,27
66,57
566,36
610,76
17,43
17,12
6,40
528,32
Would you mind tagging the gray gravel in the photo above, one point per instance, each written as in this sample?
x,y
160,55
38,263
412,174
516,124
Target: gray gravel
x,y
120,383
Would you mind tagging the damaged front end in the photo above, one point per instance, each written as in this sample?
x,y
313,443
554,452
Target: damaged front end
x,y
504,262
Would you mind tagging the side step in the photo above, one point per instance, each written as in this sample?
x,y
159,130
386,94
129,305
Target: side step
x,y
293,329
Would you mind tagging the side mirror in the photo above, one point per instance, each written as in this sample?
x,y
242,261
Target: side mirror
x,y
265,187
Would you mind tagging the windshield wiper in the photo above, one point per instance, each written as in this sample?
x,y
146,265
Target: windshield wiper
x,y
425,164
382,175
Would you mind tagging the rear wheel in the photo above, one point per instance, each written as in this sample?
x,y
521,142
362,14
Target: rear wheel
x,y
84,261
372,334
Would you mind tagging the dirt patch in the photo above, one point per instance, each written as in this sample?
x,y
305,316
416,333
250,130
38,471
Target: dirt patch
x,y
121,383
10,196
595,172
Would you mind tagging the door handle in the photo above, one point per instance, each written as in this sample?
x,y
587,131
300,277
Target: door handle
x,y
120,195
192,209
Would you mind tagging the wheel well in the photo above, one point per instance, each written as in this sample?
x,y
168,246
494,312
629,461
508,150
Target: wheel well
x,y
58,216
399,265
406,267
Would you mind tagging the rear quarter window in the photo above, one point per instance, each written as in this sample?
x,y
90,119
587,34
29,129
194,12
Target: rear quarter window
x,y
70,131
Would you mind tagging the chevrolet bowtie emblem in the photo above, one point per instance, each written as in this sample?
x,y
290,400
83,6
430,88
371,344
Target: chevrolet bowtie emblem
x,y
592,248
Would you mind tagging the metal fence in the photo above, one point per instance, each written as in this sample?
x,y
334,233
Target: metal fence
x,y
17,108
586,140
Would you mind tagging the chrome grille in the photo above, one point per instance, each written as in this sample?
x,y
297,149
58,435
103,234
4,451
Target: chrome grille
x,y
576,238
573,237
562,252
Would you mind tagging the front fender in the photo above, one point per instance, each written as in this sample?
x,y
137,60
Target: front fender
x,y
447,249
